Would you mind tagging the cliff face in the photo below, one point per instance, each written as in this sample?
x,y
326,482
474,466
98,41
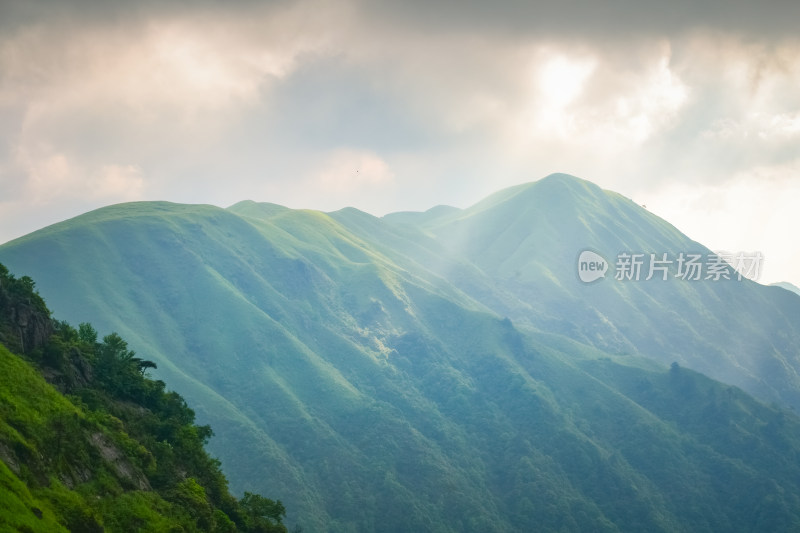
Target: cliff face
x,y
33,327
25,322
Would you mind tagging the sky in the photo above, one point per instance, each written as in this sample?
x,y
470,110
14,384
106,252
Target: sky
x,y
689,108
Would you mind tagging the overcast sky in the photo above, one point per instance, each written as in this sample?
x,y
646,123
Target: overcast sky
x,y
690,108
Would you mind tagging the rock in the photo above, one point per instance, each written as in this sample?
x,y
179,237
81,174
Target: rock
x,y
123,468
34,327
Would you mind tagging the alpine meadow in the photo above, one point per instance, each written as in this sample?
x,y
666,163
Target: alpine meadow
x,y
437,371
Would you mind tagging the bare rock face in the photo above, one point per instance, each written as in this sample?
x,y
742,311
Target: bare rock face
x,y
82,373
33,327
25,322
69,374
122,466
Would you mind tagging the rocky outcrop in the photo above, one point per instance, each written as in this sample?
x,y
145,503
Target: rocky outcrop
x,y
71,373
25,322
119,462
32,326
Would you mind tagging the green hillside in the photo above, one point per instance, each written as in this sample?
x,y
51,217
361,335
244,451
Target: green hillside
x,y
516,252
97,445
446,371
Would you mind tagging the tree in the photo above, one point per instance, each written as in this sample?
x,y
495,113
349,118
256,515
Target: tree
x,y
263,514
87,333
144,364
119,368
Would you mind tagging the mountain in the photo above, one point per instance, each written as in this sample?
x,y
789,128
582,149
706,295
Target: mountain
x,y
89,443
516,252
788,286
447,370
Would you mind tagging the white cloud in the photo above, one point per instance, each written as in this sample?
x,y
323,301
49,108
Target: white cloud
x,y
558,82
50,176
561,80
587,103
54,177
755,211
389,113
756,126
124,182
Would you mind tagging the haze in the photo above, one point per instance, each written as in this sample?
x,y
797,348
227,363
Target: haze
x,y
692,111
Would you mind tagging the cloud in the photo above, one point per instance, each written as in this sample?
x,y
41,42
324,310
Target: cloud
x,y
390,105
55,177
754,211
511,17
590,102
109,111
611,19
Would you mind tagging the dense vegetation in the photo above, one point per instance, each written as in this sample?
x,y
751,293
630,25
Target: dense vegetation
x,y
102,447
362,368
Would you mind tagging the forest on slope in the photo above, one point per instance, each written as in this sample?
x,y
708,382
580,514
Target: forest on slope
x,y
89,443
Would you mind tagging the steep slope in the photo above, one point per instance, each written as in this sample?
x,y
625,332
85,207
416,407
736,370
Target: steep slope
x,y
89,443
349,365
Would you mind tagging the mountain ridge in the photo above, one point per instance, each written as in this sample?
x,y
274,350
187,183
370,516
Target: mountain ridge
x,y
788,286
383,378
516,263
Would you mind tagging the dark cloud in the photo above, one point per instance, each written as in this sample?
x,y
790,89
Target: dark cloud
x,y
616,19
117,11
608,19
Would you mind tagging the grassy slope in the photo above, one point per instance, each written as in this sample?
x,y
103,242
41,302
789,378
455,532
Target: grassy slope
x,y
27,402
88,442
66,482
366,385
21,509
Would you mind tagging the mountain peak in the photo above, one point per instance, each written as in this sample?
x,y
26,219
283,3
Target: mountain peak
x,y
572,183
258,210
561,177
560,191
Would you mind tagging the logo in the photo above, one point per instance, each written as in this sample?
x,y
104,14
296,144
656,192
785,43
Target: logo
x,y
591,266
687,266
